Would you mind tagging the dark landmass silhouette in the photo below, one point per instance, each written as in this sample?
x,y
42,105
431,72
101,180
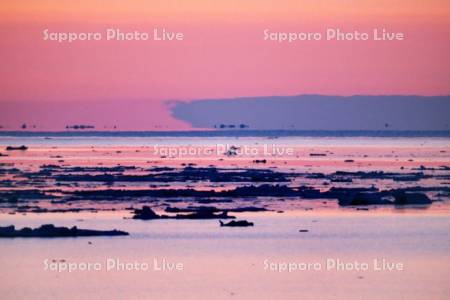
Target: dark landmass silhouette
x,y
238,223
49,230
13,148
201,213
318,112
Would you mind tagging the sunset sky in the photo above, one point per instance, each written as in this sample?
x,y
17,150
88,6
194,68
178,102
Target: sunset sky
x,y
223,55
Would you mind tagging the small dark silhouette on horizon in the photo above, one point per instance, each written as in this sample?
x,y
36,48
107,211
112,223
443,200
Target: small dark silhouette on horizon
x,y
231,126
21,148
80,127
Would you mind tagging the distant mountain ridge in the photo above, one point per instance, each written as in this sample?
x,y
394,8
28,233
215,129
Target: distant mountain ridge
x,y
319,112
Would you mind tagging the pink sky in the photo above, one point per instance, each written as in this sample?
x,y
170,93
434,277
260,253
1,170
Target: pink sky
x,y
109,83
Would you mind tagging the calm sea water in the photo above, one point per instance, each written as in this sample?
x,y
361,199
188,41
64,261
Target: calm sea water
x,y
318,138
234,133
229,263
